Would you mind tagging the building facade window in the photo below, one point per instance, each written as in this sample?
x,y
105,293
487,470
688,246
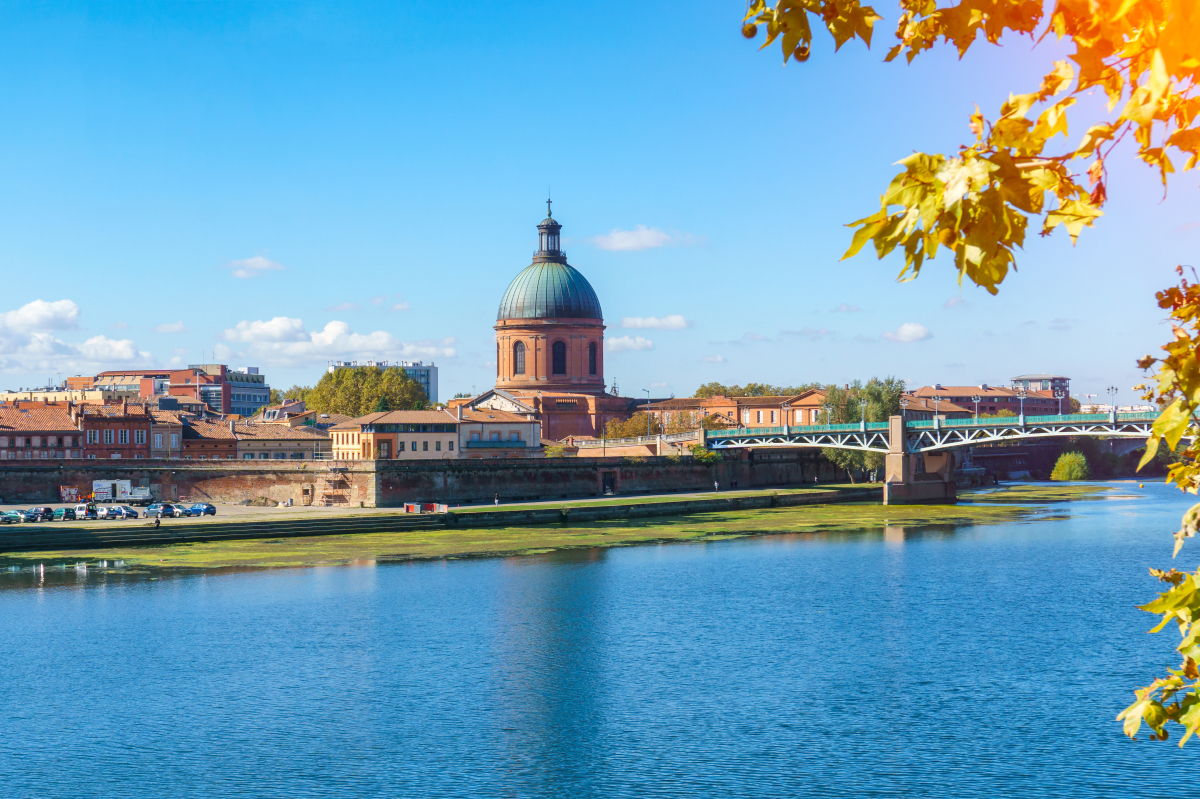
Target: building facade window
x,y
36,441
139,437
122,436
93,437
758,417
20,441
559,358
451,443
158,440
592,358
772,417
519,358
174,441
437,445
108,436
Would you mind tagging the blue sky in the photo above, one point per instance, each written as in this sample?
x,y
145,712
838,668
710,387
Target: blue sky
x,y
282,184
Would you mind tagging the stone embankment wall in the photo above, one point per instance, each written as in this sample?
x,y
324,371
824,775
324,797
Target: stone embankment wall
x,y
392,483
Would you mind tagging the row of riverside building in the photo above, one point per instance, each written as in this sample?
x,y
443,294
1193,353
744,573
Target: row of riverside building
x,y
175,428
1036,395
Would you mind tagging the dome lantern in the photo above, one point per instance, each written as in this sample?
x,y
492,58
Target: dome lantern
x,y
549,247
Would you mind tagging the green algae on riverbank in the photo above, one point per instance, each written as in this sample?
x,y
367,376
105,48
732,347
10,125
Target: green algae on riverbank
x,y
424,544
1022,493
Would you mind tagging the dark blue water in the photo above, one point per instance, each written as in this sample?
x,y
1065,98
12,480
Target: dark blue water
x,y
977,661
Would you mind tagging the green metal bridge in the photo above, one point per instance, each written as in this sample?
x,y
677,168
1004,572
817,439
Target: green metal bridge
x,y
934,435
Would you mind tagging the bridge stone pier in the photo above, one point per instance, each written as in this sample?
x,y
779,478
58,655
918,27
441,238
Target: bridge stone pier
x,y
916,478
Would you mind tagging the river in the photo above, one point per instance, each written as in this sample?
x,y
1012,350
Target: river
x,y
973,661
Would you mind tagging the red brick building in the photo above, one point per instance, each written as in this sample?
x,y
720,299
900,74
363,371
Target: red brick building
x,y
114,431
38,431
550,348
993,399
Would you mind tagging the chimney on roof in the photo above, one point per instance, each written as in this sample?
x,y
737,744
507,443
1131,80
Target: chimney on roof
x,y
231,426
460,409
983,386
124,407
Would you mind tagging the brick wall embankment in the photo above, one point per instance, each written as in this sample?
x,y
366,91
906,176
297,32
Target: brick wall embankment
x,y
392,483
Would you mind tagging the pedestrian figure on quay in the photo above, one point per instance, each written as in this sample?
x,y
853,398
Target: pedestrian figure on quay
x,y
497,499
158,520
716,486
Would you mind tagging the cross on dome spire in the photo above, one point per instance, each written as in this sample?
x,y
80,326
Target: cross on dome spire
x,y
548,208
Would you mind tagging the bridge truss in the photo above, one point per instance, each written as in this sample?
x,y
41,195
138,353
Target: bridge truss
x,y
933,436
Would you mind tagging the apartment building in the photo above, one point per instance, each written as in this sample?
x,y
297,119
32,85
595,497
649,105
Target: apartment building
x,y
397,435
487,433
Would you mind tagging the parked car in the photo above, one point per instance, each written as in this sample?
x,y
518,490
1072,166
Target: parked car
x,y
39,514
203,509
167,509
64,514
121,512
12,516
86,511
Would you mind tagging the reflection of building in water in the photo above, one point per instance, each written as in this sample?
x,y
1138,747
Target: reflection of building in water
x,y
893,535
551,650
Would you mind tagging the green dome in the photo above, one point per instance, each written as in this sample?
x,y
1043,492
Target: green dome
x,y
550,290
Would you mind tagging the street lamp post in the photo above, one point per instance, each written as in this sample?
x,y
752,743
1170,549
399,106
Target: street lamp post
x,y
1059,395
1021,396
975,399
828,414
647,411
862,412
1112,401
903,407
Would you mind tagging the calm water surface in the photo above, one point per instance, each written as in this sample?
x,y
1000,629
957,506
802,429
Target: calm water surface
x,y
969,661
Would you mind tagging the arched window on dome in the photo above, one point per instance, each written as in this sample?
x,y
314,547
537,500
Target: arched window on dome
x,y
519,358
559,358
592,358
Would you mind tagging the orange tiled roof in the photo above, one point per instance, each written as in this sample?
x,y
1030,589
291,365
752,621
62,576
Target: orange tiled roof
x,y
248,431
407,417
37,420
476,415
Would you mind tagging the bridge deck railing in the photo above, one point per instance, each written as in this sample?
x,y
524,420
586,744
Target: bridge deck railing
x,y
928,424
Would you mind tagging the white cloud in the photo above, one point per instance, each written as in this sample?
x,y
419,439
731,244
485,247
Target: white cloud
x,y
643,238
345,306
1060,324
28,345
669,322
378,300
754,337
813,333
249,267
908,332
170,327
119,326
627,343
954,302
399,306
42,315
845,308
281,328
658,385
713,359
285,341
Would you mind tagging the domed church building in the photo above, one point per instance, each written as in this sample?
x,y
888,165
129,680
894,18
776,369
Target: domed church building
x,y
550,347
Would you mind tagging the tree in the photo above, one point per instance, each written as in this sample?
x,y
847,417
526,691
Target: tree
x,y
357,392
704,455
632,427
276,397
882,400
751,390
298,393
978,203
1073,405
1070,466
381,405
1144,55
